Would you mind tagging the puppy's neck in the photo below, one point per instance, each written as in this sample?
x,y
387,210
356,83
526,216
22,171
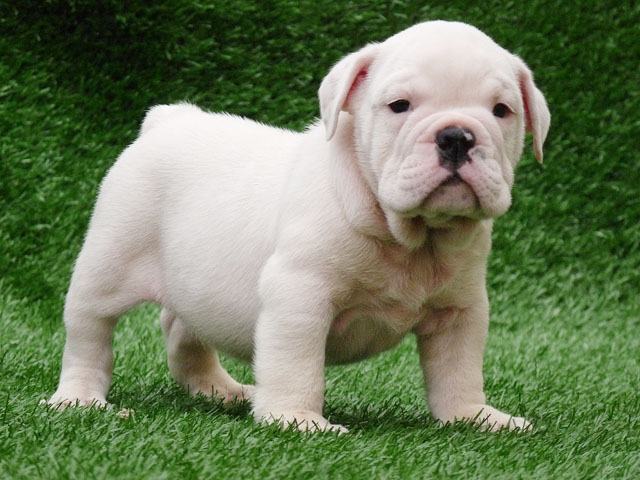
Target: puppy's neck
x,y
353,191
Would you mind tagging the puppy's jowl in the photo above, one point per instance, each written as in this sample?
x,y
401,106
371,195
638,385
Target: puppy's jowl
x,y
298,250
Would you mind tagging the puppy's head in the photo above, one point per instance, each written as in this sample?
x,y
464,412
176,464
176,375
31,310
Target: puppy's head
x,y
437,116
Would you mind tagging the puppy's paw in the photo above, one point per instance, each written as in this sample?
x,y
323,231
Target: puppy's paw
x,y
303,421
228,392
490,419
235,393
62,399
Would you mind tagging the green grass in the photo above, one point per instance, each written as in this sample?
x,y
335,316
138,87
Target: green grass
x,y
75,80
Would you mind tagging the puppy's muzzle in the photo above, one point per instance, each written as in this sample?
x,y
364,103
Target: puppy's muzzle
x,y
454,144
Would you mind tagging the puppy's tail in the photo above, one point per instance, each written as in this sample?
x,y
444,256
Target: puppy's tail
x,y
162,113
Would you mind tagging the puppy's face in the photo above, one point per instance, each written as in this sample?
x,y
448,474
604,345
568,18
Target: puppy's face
x,y
439,114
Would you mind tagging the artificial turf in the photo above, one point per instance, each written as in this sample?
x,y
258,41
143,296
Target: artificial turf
x,y
76,77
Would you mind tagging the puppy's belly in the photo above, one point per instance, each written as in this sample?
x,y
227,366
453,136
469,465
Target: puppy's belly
x,y
229,328
362,338
212,282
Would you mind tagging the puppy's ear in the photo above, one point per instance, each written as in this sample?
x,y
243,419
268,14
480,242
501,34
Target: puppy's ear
x,y
340,83
537,115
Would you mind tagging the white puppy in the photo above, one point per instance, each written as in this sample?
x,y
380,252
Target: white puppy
x,y
297,250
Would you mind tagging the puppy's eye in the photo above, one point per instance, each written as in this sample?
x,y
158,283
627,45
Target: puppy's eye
x,y
501,110
400,106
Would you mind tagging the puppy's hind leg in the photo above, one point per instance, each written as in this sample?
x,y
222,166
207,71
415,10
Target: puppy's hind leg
x,y
197,367
116,269
103,286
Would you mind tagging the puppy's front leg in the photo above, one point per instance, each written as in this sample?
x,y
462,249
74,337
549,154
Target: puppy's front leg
x,y
290,341
451,360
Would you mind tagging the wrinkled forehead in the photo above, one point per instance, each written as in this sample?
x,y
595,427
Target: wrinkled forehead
x,y
442,57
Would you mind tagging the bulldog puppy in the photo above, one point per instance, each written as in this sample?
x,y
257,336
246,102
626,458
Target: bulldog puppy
x,y
297,250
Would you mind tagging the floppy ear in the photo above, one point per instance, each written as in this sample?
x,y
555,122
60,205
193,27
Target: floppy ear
x,y
340,83
537,115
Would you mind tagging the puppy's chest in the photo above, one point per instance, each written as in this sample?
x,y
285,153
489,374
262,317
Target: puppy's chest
x,y
396,293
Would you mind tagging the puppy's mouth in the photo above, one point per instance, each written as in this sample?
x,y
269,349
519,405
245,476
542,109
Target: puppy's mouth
x,y
453,179
425,189
453,197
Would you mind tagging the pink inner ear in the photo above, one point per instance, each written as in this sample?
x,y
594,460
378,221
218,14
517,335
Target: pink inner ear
x,y
361,76
527,114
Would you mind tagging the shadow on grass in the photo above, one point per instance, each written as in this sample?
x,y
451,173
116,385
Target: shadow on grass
x,y
161,396
379,418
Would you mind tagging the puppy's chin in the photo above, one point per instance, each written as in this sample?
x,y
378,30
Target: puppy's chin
x,y
456,204
414,232
453,198
464,195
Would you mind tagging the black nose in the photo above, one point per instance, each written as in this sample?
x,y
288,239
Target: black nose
x,y
453,145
